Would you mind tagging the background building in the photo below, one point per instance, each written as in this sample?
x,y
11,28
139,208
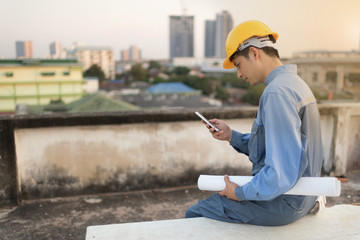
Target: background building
x,y
210,27
24,49
37,82
89,55
57,51
337,71
133,54
125,55
216,33
181,36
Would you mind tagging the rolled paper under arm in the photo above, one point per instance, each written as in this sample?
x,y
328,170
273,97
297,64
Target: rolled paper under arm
x,y
311,186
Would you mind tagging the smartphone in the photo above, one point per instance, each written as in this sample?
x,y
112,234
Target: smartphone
x,y
207,121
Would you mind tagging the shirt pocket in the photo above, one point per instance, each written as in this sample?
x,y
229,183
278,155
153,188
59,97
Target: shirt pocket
x,y
257,143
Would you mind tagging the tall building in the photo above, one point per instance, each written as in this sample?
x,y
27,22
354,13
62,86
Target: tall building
x,y
224,24
57,51
132,54
210,36
125,55
24,49
89,55
135,53
181,36
216,33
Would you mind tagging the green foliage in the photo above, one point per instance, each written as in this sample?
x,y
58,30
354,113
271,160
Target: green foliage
x,y
181,71
158,80
95,71
203,84
234,81
137,72
221,93
154,64
253,94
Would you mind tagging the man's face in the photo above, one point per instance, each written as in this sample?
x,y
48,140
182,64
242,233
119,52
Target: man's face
x,y
247,69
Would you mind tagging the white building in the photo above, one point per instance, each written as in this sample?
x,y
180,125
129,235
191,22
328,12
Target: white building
x,y
89,55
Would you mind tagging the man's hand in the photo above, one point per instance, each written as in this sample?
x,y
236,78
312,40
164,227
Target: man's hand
x,y
229,190
224,132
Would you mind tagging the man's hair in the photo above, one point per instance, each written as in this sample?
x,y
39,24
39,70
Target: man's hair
x,y
270,51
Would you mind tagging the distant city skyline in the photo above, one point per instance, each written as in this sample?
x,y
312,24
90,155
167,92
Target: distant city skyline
x,y
302,25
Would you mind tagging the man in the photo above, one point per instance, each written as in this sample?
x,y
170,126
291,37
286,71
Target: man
x,y
285,141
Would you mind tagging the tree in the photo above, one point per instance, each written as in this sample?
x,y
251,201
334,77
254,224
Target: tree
x,y
221,93
137,72
95,71
181,71
154,64
253,94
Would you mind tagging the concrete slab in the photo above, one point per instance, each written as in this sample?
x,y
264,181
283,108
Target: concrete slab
x,y
338,222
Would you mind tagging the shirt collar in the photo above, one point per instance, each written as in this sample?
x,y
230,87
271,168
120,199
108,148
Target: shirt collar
x,y
286,68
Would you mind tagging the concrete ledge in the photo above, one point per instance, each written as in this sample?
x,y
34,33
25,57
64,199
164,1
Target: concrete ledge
x,y
338,222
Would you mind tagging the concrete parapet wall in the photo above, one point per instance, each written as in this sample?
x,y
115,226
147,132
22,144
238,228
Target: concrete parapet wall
x,y
62,155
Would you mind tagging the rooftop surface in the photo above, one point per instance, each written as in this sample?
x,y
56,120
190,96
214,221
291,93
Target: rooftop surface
x,y
68,218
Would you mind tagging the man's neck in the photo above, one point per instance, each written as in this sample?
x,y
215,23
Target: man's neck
x,y
270,63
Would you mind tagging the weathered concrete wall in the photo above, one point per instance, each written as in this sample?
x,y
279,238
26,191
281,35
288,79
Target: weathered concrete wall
x,y
68,160
81,154
345,147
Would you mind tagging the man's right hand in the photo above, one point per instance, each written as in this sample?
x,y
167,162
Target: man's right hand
x,y
224,132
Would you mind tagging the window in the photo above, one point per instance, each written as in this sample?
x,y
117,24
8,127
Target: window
x,y
9,74
66,73
46,74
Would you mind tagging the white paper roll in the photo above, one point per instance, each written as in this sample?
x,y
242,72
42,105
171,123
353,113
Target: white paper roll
x,y
312,186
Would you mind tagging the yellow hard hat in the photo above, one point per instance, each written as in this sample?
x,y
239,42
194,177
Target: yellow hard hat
x,y
241,33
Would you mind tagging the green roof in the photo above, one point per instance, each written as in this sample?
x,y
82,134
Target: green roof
x,y
99,103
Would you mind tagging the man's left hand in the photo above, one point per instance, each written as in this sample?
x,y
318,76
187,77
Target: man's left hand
x,y
229,190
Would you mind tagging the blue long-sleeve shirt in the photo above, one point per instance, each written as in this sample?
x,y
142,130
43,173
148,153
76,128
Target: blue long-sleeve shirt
x,y
285,140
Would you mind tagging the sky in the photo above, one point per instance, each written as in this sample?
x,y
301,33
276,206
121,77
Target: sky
x,y
302,25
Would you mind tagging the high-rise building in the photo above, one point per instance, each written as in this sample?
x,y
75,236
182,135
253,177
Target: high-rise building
x,y
133,54
224,24
125,55
181,36
24,49
216,33
57,51
89,55
210,35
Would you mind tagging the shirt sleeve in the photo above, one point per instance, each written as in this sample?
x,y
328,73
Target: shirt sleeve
x,y
283,150
240,141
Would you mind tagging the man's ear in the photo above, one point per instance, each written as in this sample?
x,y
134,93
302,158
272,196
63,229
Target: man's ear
x,y
254,53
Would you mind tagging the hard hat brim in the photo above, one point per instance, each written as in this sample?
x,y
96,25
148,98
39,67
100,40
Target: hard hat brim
x,y
227,64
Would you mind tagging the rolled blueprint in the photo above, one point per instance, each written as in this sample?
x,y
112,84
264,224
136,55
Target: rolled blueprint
x,y
311,186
